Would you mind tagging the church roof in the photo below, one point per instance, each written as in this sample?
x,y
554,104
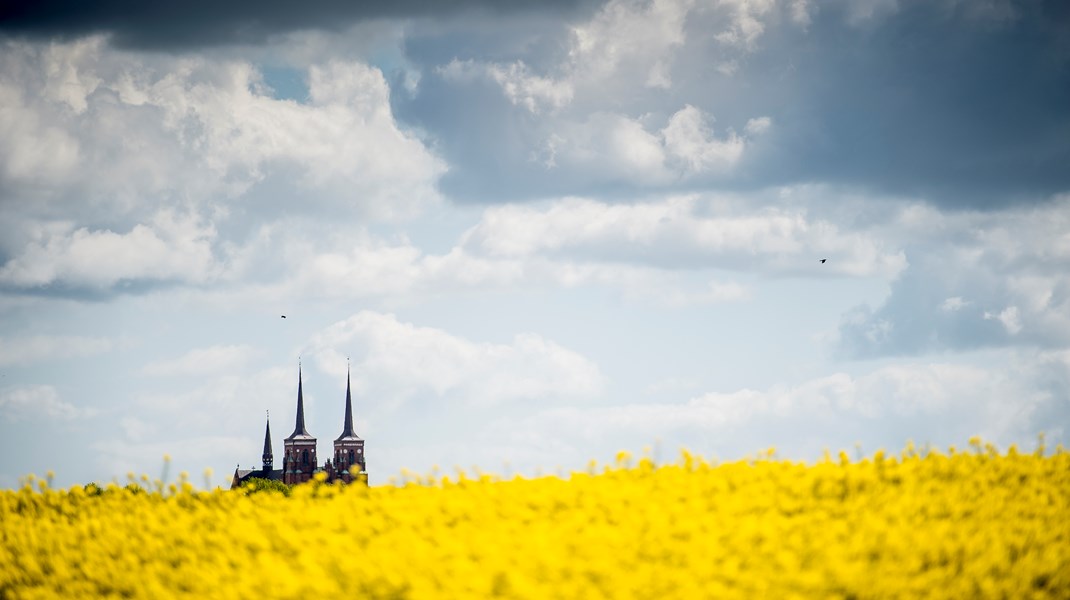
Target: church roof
x,y
267,441
300,433
243,475
347,427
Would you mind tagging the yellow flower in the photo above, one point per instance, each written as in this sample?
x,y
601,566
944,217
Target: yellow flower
x,y
980,524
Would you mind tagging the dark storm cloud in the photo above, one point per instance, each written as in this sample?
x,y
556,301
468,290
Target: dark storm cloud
x,y
963,110
171,25
938,100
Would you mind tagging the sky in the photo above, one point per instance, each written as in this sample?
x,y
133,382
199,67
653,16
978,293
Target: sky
x,y
533,233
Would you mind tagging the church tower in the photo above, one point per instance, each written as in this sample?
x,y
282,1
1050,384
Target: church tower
x,y
299,460
348,448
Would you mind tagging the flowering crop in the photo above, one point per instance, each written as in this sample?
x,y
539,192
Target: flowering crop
x,y
976,524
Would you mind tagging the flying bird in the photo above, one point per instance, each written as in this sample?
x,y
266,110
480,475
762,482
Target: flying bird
x,y
284,316
822,262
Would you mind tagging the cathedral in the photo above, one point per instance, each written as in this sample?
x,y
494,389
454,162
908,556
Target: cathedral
x,y
299,452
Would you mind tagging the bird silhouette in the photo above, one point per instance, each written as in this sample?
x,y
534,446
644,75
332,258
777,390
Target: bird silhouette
x,y
284,316
822,262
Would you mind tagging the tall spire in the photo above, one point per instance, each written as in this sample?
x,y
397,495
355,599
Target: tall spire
x,y
347,426
268,458
299,429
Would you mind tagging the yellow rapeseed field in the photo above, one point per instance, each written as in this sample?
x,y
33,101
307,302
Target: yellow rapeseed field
x,y
959,524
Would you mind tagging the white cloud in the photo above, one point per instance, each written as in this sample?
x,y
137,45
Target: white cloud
x,y
659,250
689,139
204,361
638,35
519,85
97,148
32,150
745,24
42,348
801,12
119,457
615,146
713,293
67,78
366,266
673,385
862,11
223,403
1013,265
1054,369
397,361
37,401
953,304
171,247
638,39
941,403
363,266
82,119
758,125
620,148
136,429
589,135
1009,318
680,231
626,42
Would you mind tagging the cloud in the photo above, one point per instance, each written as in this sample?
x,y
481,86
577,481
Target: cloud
x,y
638,39
663,250
136,429
399,369
100,146
303,263
954,303
678,232
43,348
860,12
976,279
200,23
713,293
171,248
519,85
892,390
758,126
941,403
213,360
32,149
586,120
613,147
120,457
1009,318
38,401
401,362
124,130
637,35
745,25
922,121
225,403
689,139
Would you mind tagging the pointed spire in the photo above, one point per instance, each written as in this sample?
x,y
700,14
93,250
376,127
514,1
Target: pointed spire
x,y
347,426
268,457
299,429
